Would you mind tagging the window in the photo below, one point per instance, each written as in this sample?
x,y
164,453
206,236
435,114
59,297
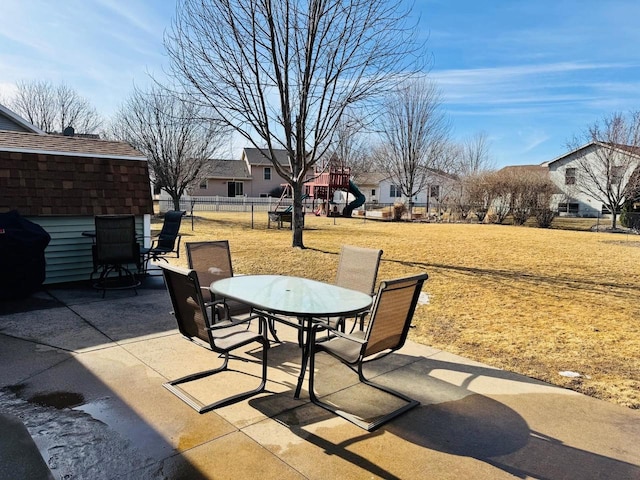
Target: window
x,y
572,208
394,191
373,192
570,176
203,184
267,173
235,189
434,191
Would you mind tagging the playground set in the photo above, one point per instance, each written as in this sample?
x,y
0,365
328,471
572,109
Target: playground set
x,y
323,188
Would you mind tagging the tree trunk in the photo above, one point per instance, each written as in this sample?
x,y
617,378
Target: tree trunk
x,y
614,219
176,202
297,224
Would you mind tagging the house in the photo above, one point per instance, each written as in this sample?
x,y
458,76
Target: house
x,y
369,185
435,193
252,176
565,172
227,178
12,122
62,182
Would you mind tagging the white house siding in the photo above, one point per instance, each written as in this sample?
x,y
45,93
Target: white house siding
x,y
587,206
68,254
444,183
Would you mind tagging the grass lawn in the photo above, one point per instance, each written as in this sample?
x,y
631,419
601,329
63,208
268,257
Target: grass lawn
x,y
528,300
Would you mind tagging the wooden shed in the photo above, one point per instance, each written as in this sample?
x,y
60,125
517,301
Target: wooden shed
x,y
62,182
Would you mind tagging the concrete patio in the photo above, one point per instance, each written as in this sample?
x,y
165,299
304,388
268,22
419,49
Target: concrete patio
x,y
84,375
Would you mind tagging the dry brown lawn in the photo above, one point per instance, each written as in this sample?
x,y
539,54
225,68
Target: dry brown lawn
x,y
528,300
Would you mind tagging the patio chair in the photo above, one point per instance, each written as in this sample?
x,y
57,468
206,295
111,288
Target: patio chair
x,y
357,270
221,337
386,332
212,261
115,248
167,243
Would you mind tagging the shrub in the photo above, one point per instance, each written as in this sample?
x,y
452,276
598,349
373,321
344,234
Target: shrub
x,y
544,217
399,209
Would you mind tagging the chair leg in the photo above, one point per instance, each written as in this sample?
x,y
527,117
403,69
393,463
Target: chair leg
x,y
173,386
367,425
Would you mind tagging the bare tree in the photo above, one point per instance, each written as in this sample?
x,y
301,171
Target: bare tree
x,y
283,72
176,141
607,172
415,134
52,108
349,146
479,190
475,155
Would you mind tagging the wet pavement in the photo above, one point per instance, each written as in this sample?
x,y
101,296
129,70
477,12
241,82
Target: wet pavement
x,y
81,397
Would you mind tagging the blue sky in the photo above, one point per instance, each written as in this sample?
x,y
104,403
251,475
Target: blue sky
x,y
530,74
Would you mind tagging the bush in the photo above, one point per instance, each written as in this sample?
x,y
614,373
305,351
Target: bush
x,y
544,217
399,209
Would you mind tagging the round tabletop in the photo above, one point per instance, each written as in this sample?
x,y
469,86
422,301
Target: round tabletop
x,y
292,295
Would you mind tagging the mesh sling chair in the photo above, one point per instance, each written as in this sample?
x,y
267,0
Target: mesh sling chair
x,y
222,337
167,243
357,270
386,332
114,249
212,261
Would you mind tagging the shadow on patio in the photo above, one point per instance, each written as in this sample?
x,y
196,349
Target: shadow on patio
x,y
85,376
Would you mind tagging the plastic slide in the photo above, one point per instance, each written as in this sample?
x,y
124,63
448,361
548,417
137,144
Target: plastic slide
x,y
359,200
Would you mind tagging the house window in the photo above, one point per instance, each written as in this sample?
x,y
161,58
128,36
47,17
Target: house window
x,y
572,208
203,184
434,191
267,173
373,192
394,191
235,189
570,176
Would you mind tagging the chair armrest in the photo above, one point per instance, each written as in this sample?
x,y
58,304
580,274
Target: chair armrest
x,y
323,326
215,303
233,322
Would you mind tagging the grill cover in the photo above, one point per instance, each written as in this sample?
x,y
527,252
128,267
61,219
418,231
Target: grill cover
x,y
22,262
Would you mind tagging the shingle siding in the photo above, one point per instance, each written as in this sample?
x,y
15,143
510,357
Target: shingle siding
x,y
61,183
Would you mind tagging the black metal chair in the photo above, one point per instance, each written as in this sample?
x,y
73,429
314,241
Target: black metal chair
x,y
385,333
115,248
221,337
167,243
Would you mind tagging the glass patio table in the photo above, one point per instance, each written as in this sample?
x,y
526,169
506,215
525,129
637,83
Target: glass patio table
x,y
281,296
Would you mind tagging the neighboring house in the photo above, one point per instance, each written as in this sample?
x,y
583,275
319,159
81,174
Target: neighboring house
x,y
229,178
435,193
264,177
369,185
61,183
252,176
564,171
11,121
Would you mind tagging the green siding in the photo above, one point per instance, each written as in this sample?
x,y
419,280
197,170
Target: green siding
x,y
68,255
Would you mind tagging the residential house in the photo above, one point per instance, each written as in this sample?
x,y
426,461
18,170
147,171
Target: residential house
x,y
369,184
62,182
565,170
228,178
435,194
252,176
12,122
